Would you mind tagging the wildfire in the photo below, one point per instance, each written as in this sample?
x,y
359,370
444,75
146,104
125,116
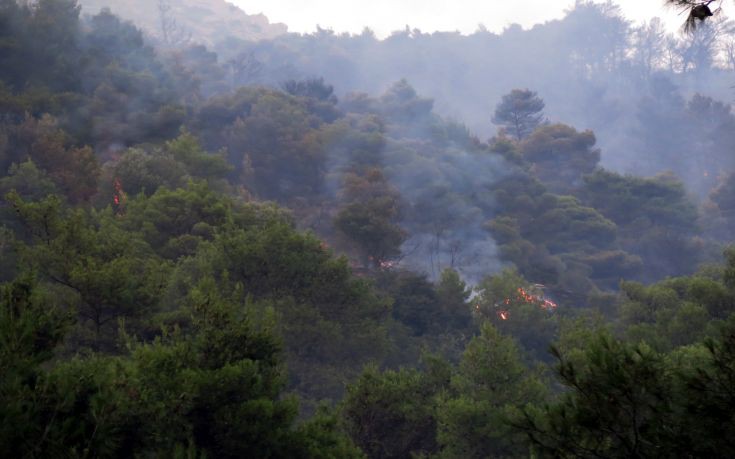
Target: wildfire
x,y
387,264
384,264
503,307
522,295
534,299
118,196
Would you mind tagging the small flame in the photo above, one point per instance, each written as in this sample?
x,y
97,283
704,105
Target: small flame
x,y
118,196
525,297
387,264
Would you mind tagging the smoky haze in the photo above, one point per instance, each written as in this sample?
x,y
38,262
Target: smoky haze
x,y
594,69
385,17
221,239
399,134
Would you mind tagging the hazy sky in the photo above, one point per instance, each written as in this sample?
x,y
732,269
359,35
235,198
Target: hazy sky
x,y
385,16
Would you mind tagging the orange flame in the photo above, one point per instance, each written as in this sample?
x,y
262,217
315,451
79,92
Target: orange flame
x,y
118,196
522,296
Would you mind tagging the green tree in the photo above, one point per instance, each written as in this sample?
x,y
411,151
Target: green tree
x,y
214,391
618,405
721,211
453,295
518,309
638,203
332,322
275,142
708,397
492,386
393,414
520,112
415,302
561,156
54,32
32,324
625,400
28,181
187,150
175,221
402,104
369,219
74,170
104,274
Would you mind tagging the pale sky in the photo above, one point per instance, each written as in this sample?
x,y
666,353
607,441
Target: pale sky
x,y
385,16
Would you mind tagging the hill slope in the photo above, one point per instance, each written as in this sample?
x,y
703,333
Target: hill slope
x,y
205,21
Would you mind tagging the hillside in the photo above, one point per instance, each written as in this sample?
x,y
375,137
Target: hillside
x,y
205,252
205,21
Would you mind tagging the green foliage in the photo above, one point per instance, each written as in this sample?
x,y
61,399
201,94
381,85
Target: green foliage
x,y
571,222
618,405
625,400
32,326
141,172
708,397
175,222
214,390
517,308
675,312
555,240
729,272
401,103
331,321
74,171
561,156
272,139
187,150
28,181
637,203
453,295
103,273
653,215
520,112
369,217
415,302
722,213
393,414
491,386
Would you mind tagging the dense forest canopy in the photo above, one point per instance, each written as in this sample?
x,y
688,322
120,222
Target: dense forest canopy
x,y
432,245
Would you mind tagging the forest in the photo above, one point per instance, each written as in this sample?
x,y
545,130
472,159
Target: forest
x,y
331,245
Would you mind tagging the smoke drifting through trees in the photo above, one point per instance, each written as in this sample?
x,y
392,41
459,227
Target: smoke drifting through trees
x,y
593,69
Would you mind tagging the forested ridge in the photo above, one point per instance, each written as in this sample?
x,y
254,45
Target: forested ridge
x,y
202,258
